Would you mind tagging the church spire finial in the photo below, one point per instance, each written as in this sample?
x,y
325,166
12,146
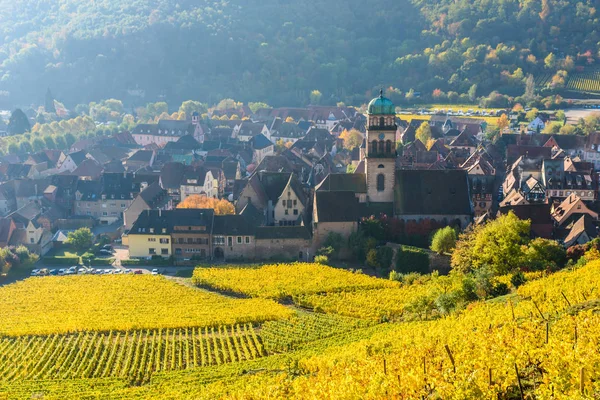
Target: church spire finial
x,y
381,93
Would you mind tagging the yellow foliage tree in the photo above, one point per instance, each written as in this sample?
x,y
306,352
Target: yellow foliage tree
x,y
352,138
221,207
423,133
503,122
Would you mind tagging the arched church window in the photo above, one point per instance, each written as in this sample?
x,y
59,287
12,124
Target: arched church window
x,y
374,146
388,147
381,121
381,146
380,166
380,183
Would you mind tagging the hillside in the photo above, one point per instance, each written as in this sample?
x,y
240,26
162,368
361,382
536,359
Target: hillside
x,y
277,51
542,337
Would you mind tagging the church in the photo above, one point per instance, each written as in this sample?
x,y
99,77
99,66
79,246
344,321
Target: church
x,y
410,195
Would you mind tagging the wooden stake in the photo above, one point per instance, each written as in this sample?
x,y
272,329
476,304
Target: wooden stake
x,y
584,297
451,357
512,310
538,309
565,297
490,376
424,366
519,380
384,367
547,330
582,380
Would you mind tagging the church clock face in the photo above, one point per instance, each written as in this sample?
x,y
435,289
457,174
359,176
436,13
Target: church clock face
x,y
381,136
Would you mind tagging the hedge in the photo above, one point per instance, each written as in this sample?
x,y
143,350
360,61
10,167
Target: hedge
x,y
101,261
154,262
412,259
61,260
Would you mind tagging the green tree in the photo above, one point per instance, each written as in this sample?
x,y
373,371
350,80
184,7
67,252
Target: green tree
x,y
69,139
542,254
568,130
13,148
49,142
444,240
59,140
25,147
315,97
473,92
81,239
254,107
560,115
191,106
529,88
423,132
532,114
550,61
496,245
18,123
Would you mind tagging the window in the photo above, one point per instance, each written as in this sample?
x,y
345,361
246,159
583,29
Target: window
x,y
295,212
190,240
164,241
151,250
286,211
380,183
219,240
247,239
88,213
202,253
151,230
164,252
388,147
152,239
381,121
32,240
295,203
123,205
180,240
380,166
374,146
381,146
229,241
239,240
289,204
104,213
178,251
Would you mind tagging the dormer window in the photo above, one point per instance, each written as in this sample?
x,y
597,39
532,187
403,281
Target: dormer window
x,y
151,230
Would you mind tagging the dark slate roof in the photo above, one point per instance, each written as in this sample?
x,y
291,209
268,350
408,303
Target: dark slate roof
x,y
432,192
275,163
5,225
252,215
260,142
336,207
141,156
536,213
232,225
78,157
171,175
273,183
170,219
154,195
356,183
230,169
283,232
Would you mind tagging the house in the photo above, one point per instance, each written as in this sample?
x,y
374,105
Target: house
x,y
570,210
140,159
87,170
537,125
261,147
153,197
72,161
481,174
234,238
170,178
279,195
334,211
582,231
283,243
106,199
248,129
166,131
191,233
150,235
286,132
198,181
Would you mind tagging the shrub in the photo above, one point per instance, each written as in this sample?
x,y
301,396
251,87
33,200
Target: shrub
x,y
445,303
61,260
499,289
469,289
517,279
324,260
444,240
372,260
412,259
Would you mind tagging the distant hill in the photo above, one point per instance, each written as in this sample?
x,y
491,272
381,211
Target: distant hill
x,y
278,51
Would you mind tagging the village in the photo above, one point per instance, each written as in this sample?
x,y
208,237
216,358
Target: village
x,y
295,177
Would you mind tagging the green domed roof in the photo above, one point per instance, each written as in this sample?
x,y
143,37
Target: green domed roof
x,y
381,106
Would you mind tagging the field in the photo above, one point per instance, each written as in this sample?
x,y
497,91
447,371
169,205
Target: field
x,y
410,117
586,82
280,281
49,305
542,339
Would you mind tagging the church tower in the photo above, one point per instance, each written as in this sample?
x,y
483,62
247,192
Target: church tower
x,y
380,154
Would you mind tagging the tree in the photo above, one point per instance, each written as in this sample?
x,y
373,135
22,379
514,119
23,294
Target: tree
x,y
315,97
191,106
221,207
495,245
503,122
49,106
81,239
568,130
50,144
544,254
13,148
444,240
18,123
423,132
529,88
473,92
560,115
532,114
254,107
352,138
550,61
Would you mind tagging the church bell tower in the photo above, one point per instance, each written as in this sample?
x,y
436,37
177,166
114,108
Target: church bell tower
x,y
380,154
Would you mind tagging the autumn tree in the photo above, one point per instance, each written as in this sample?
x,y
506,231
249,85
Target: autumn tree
x,y
352,138
444,240
221,207
503,122
423,132
315,97
532,114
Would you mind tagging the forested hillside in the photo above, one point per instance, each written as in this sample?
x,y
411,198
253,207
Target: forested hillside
x,y
277,51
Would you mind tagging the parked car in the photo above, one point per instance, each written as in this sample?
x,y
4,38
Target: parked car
x,y
128,271
53,272
155,271
82,271
62,272
107,247
117,271
108,271
35,272
71,271
43,272
138,272
104,252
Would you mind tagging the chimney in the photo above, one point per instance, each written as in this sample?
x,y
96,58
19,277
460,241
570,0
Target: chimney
x,y
159,212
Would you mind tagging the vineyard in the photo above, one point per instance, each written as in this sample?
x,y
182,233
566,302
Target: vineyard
x,y
540,341
586,82
120,302
281,281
